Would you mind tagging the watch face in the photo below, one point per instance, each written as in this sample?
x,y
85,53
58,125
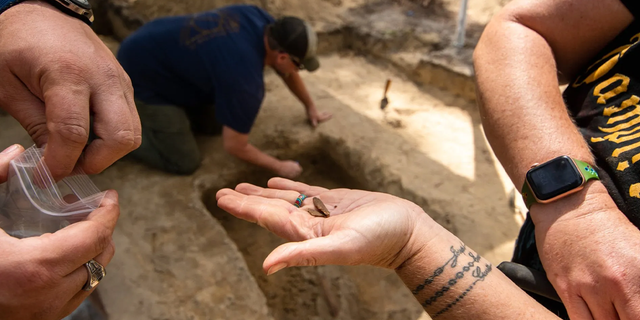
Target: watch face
x,y
554,178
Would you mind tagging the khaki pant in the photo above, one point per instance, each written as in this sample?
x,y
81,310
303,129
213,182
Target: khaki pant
x,y
168,141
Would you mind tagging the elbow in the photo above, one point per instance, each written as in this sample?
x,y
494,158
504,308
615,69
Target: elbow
x,y
495,32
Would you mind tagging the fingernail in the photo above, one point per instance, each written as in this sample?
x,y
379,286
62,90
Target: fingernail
x,y
276,268
11,149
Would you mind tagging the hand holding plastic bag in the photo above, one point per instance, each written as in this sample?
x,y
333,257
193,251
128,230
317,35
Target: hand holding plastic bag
x,y
42,276
32,203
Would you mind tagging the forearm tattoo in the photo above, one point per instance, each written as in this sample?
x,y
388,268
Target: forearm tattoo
x,y
477,273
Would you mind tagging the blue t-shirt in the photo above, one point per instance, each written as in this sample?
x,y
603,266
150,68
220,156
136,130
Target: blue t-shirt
x,y
200,60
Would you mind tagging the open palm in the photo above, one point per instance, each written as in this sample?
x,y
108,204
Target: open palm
x,y
364,227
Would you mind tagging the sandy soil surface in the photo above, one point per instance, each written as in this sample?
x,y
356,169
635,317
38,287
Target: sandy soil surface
x,y
427,147
182,258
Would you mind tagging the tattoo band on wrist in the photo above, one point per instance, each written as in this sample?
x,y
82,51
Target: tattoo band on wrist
x,y
477,273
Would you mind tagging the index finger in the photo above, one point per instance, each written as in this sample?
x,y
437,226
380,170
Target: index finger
x,y
116,124
67,249
286,184
289,196
274,215
6,156
67,112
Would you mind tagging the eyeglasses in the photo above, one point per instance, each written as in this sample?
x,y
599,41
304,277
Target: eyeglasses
x,y
296,62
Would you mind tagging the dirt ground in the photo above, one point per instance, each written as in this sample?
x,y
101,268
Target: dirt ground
x,y
180,257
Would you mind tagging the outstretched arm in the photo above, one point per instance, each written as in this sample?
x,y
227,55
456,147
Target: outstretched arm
x,y
237,144
583,239
297,87
450,280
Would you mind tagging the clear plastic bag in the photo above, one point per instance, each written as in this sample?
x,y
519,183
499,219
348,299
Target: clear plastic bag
x,y
32,203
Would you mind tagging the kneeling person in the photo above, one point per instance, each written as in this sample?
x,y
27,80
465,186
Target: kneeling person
x,y
204,73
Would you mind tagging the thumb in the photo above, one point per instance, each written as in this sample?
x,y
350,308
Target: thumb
x,y
314,121
6,156
334,250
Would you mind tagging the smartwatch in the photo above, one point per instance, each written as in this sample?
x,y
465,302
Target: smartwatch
x,y
555,179
80,9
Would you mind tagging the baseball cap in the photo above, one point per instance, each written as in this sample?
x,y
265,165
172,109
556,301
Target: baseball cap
x,y
297,38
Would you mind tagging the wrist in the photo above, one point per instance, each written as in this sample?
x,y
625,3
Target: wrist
x,y
591,199
278,166
77,9
426,236
430,255
22,10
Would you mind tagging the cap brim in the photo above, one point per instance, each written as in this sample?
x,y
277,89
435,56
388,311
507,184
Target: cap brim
x,y
311,64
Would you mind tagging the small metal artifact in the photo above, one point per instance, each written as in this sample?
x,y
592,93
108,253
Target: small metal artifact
x,y
321,207
316,213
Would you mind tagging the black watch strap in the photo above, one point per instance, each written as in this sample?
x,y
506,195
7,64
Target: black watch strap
x,y
71,8
66,6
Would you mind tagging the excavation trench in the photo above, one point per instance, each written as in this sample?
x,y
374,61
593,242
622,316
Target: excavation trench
x,y
427,147
323,292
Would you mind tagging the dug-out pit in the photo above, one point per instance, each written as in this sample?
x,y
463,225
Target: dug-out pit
x,y
323,292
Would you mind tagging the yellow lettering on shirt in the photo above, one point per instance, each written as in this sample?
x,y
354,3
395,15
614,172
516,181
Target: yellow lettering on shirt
x,y
618,127
620,88
622,165
634,190
608,111
604,67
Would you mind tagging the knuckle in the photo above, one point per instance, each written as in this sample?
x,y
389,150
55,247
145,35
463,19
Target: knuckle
x,y
103,239
110,72
109,252
71,130
38,132
137,142
309,262
128,85
68,69
112,248
125,139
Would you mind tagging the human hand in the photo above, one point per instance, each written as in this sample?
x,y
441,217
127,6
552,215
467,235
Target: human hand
x,y
590,258
364,227
42,277
55,73
316,117
289,169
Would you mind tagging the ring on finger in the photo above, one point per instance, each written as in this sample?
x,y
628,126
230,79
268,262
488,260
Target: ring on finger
x,y
96,272
298,202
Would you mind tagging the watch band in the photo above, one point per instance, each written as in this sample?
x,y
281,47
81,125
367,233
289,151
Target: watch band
x,y
74,10
65,6
587,171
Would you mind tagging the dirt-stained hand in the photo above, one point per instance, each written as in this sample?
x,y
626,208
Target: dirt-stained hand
x,y
56,74
42,277
316,117
289,169
364,227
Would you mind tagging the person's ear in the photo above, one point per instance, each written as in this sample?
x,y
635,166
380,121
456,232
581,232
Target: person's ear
x,y
282,57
